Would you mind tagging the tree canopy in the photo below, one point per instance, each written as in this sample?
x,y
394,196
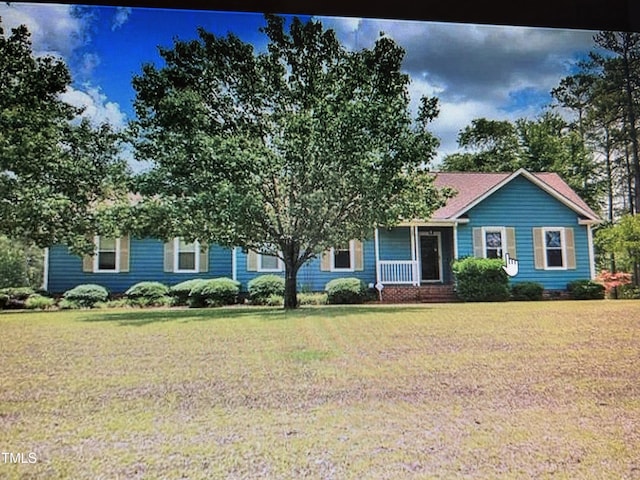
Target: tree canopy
x,y
289,151
546,144
54,169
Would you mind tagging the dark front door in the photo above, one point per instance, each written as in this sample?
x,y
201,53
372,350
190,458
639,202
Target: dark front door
x,y
430,258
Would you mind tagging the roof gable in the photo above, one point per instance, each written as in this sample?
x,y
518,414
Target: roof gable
x,y
473,187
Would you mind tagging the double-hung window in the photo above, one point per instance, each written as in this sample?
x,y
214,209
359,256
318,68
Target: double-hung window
x,y
342,258
269,263
554,248
186,256
106,258
494,242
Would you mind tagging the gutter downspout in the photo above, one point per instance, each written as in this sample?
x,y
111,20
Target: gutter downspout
x,y
234,264
592,261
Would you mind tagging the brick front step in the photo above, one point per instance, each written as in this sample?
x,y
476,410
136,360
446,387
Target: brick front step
x,y
418,294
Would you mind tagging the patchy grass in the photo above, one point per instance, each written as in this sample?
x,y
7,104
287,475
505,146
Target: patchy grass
x,y
512,390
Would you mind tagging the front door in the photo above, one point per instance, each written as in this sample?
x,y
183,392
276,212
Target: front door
x,y
430,257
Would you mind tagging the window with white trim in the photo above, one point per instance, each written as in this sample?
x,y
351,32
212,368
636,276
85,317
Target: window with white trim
x,y
493,242
107,256
554,248
186,256
269,263
342,258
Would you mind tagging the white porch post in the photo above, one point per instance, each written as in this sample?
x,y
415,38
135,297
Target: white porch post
x,y
414,254
376,247
455,241
45,273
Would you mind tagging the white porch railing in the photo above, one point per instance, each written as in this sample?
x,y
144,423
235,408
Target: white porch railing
x,y
399,272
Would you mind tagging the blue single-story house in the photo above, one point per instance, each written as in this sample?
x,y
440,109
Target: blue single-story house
x,y
536,218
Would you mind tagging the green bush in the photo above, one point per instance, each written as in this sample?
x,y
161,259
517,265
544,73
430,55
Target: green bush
x,y
15,297
481,280
263,287
628,292
180,292
345,290
274,300
527,291
142,302
115,303
585,290
39,302
65,304
312,298
147,290
214,293
87,295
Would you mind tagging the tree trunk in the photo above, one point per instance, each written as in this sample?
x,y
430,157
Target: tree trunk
x,y
609,170
291,251
629,181
290,288
633,132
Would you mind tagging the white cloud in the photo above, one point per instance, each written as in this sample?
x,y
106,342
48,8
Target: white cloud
x,y
121,17
474,70
88,63
55,29
97,108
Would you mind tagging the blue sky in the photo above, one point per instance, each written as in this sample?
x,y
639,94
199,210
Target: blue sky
x,y
497,72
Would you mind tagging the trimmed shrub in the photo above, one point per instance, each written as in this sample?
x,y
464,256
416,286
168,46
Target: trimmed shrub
x,y
585,290
115,303
312,298
180,292
65,304
15,297
4,300
527,291
629,292
481,280
39,302
274,300
87,295
214,293
142,302
346,290
263,287
147,291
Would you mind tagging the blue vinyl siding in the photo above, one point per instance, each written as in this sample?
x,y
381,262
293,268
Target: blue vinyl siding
x,y
519,204
523,206
310,277
146,259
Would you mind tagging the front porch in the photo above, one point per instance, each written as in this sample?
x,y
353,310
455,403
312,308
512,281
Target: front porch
x,y
415,255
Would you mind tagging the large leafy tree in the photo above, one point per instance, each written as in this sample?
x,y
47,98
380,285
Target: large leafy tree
x,y
488,146
287,152
54,169
623,239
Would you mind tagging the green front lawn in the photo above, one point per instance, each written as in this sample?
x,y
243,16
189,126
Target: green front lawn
x,y
510,390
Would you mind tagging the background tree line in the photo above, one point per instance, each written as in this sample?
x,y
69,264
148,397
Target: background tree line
x,y
594,148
